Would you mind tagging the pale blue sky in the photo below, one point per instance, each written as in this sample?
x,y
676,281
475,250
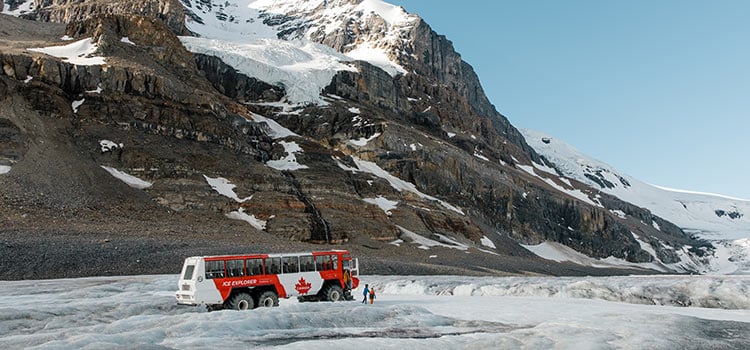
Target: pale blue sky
x,y
658,89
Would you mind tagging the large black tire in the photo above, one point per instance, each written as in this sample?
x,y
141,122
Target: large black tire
x,y
334,293
268,299
242,301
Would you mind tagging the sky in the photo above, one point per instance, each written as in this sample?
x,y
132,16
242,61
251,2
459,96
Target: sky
x,y
657,89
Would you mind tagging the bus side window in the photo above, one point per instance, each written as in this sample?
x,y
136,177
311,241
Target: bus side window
x,y
291,264
324,262
235,268
273,266
306,263
254,266
215,269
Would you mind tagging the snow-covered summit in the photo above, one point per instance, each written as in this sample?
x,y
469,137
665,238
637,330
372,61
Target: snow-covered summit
x,y
723,220
708,215
298,44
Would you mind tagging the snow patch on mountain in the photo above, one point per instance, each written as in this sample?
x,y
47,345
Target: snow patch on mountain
x,y
109,146
426,243
128,179
362,141
398,184
575,193
225,188
276,130
21,8
77,103
289,162
240,214
80,52
383,203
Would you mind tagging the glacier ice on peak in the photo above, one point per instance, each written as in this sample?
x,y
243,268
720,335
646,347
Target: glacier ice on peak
x,y
273,40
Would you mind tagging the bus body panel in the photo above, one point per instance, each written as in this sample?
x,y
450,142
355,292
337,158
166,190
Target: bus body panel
x,y
195,289
301,284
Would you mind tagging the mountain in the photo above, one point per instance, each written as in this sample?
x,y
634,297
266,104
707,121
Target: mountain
x,y
136,133
720,219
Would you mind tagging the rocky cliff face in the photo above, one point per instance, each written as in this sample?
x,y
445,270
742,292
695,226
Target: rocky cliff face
x,y
170,12
437,160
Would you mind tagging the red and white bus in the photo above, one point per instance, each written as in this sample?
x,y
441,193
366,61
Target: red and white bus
x,y
244,282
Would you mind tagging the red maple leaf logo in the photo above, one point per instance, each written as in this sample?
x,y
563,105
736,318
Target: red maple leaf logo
x,y
302,286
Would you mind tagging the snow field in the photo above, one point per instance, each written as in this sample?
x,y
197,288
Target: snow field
x,y
421,312
728,292
79,52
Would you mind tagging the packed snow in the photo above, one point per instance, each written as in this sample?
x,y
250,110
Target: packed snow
x,y
725,221
109,146
383,203
426,243
481,156
376,56
128,179
98,90
77,104
276,130
415,312
4,169
575,193
225,188
240,214
487,242
23,7
362,141
289,162
80,52
127,40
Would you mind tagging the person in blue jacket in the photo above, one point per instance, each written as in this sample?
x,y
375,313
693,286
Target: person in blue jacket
x,y
366,292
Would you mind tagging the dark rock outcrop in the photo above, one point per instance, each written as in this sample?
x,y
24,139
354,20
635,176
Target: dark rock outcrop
x,y
66,11
234,84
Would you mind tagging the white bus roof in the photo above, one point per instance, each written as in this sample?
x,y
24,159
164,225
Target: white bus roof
x,y
273,255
